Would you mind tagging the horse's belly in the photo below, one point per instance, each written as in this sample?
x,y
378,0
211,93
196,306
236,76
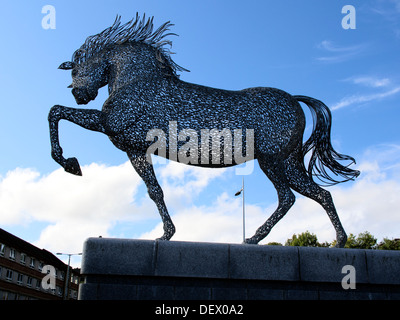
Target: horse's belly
x,y
119,141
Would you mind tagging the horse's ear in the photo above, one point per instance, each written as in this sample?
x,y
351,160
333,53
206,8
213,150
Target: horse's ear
x,y
67,65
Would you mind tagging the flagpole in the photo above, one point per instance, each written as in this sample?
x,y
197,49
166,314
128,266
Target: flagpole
x,y
241,191
244,228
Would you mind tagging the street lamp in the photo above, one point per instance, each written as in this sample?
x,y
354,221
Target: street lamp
x,y
67,276
241,191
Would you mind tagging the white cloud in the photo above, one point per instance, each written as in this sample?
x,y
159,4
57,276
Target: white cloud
x,y
331,47
362,98
182,183
216,222
370,81
76,208
339,53
369,204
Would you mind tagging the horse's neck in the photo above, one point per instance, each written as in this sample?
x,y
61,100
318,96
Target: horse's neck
x,y
119,76
125,69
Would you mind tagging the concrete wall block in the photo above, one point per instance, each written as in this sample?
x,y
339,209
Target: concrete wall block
x,y
191,259
175,270
326,264
88,291
118,257
154,292
264,262
383,266
229,293
117,291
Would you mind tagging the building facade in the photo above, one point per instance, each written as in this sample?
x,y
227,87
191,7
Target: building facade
x,y
30,273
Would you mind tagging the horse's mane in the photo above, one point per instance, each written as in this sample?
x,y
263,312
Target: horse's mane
x,y
136,30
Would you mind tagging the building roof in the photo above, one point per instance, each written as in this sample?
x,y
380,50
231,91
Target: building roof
x,y
29,249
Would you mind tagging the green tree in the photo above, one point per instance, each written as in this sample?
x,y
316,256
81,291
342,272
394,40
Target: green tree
x,y
305,239
387,244
364,240
325,244
274,244
351,241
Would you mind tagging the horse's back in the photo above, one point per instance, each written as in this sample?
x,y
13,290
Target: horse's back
x,y
221,102
275,116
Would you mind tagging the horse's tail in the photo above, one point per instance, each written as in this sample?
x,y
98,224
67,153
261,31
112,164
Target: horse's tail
x,y
323,155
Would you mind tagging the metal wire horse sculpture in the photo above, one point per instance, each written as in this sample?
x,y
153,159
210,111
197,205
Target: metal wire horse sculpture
x,y
145,92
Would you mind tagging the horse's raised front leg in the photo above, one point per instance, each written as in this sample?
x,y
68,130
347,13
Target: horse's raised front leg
x,y
87,118
146,172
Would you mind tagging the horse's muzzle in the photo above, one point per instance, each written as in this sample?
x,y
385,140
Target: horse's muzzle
x,y
83,96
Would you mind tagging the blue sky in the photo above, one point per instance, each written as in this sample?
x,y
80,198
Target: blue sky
x,y
297,46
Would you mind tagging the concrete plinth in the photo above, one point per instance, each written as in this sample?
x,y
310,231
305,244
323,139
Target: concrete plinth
x,y
174,270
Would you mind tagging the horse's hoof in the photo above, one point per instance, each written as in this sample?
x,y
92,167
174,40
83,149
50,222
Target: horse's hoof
x,y
72,166
250,241
162,239
166,236
169,231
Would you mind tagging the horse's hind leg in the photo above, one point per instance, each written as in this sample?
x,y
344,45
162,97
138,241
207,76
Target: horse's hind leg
x,y
146,172
302,183
275,172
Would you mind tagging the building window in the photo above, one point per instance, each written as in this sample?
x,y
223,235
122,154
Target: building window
x,y
29,281
23,258
12,254
40,266
20,278
4,295
38,282
2,249
9,275
32,263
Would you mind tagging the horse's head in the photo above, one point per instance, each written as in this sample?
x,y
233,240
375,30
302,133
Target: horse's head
x,y
125,45
87,78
